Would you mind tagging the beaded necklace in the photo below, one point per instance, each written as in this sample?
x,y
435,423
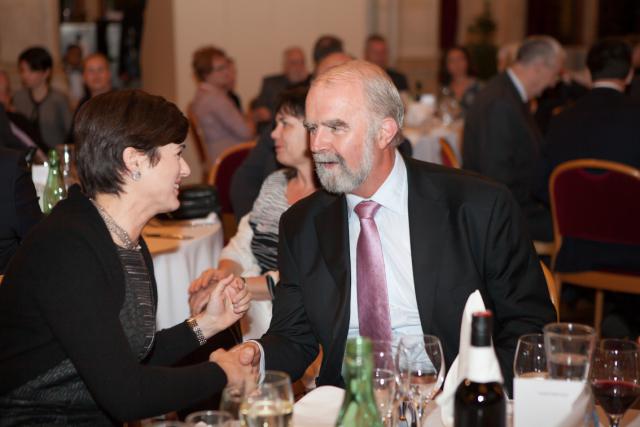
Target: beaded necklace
x,y
113,227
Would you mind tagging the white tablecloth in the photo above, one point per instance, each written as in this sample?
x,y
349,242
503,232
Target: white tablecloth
x,y
425,140
178,262
320,408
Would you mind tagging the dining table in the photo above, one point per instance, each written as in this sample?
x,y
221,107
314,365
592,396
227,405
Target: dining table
x,y
181,251
320,407
425,139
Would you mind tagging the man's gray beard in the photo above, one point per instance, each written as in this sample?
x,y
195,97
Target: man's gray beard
x,y
342,179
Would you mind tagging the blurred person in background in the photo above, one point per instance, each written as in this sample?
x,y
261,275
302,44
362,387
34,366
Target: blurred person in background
x,y
78,301
72,62
502,140
45,107
457,77
217,116
19,209
22,134
377,52
294,71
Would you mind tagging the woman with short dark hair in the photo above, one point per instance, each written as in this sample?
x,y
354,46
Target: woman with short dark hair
x,y
77,305
46,108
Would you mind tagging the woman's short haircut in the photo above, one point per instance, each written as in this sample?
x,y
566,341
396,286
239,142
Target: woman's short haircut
x,y
37,57
109,123
202,62
292,101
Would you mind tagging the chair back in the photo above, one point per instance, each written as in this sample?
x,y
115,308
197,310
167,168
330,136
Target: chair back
x,y
595,200
222,171
198,138
554,292
447,154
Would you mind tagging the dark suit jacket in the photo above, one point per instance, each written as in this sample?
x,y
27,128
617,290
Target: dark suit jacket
x,y
19,209
466,234
272,86
502,141
398,79
604,124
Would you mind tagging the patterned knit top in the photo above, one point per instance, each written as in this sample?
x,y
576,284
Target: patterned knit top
x,y
265,218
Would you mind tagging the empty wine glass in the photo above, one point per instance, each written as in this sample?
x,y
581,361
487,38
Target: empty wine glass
x,y
384,379
615,374
530,360
230,402
209,419
420,365
270,404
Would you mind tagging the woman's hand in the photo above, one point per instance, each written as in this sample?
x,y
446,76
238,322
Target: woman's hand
x,y
200,289
227,303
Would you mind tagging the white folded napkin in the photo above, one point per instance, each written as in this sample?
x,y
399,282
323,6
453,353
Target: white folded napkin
x,y
318,408
458,370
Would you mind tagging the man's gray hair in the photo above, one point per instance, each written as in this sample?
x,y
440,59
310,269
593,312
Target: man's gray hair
x,y
381,96
537,48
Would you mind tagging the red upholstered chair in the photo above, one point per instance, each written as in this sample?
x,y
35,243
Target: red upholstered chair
x,y
220,175
598,201
447,155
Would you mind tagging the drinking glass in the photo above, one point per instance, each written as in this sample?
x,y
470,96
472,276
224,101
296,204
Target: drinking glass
x,y
615,375
270,404
230,402
530,360
384,379
420,365
569,347
209,419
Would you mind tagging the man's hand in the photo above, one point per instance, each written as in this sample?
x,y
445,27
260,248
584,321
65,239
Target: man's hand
x,y
240,375
248,353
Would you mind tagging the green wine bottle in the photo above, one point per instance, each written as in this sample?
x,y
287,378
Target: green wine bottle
x,y
359,408
54,190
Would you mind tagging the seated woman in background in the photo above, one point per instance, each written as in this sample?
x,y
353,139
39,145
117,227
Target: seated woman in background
x,y
78,301
457,76
253,252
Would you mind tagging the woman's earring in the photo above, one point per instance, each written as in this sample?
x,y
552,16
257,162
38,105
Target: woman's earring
x,y
135,175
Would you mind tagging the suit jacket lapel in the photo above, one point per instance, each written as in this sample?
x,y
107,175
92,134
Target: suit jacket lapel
x,y
333,236
427,229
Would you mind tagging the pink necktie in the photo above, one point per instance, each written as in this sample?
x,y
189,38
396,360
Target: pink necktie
x,y
373,302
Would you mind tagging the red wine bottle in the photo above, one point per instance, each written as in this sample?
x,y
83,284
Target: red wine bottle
x,y
479,399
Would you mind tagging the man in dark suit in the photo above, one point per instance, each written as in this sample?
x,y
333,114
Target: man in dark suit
x,y
433,237
19,209
604,124
294,71
376,51
501,138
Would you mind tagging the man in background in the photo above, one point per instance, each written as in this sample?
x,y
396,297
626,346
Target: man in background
x,y
502,140
377,51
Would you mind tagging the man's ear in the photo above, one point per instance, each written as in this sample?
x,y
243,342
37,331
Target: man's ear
x,y
387,132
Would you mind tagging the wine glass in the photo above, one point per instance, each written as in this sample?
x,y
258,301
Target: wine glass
x,y
384,379
270,404
615,374
421,370
530,360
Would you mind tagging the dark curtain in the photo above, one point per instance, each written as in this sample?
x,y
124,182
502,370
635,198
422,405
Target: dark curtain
x,y
618,17
448,23
561,19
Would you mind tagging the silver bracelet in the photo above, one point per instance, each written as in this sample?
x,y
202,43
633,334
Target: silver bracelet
x,y
193,324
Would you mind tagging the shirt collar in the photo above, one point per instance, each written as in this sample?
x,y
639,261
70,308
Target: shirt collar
x,y
392,193
518,84
608,85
